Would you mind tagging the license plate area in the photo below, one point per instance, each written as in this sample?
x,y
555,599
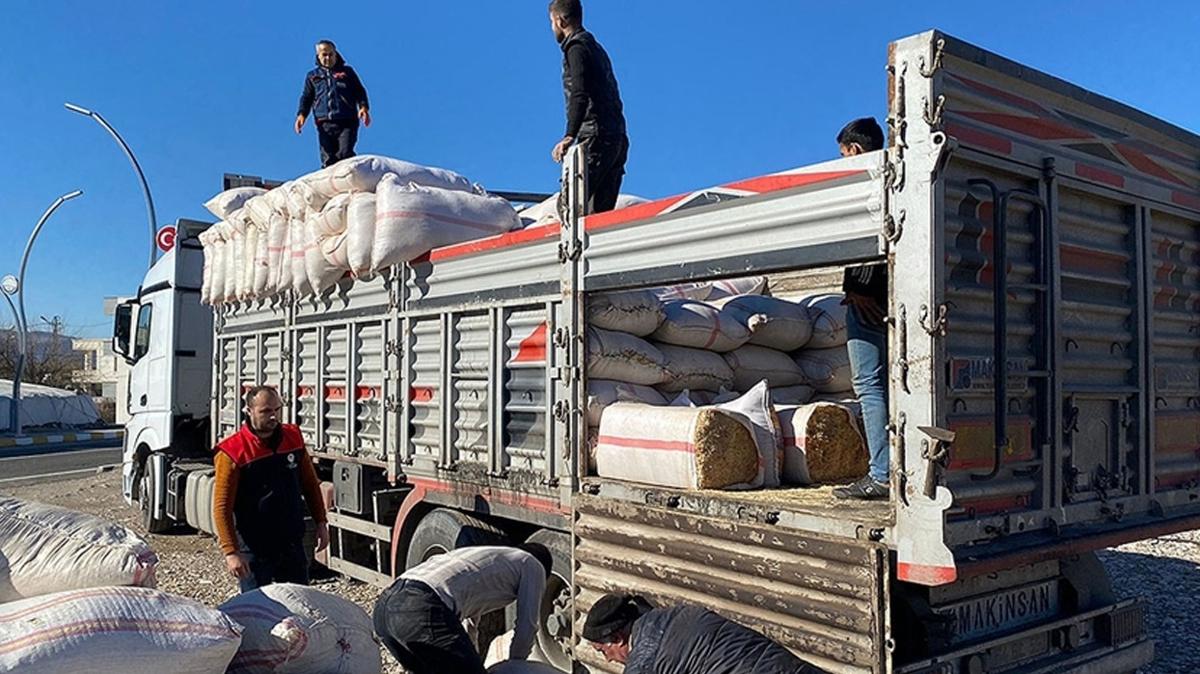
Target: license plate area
x,y
1001,611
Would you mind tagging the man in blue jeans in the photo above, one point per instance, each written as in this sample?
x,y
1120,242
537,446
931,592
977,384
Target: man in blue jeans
x,y
866,308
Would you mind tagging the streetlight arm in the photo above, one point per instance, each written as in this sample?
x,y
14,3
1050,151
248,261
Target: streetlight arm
x,y
150,215
29,246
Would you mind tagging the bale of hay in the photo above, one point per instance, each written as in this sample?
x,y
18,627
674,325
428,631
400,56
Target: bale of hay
x,y
827,370
828,316
637,312
623,357
771,321
751,364
699,326
821,443
694,369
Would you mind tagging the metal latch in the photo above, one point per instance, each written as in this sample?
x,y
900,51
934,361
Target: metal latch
x,y
935,455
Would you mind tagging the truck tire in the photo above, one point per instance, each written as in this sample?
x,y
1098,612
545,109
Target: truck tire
x,y
554,633
442,530
153,524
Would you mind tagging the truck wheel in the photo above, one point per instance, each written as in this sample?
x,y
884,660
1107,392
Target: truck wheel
x,y
443,530
554,633
152,524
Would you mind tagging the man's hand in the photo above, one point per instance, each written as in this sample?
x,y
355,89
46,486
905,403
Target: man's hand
x,y
868,309
239,566
560,150
364,115
299,124
322,537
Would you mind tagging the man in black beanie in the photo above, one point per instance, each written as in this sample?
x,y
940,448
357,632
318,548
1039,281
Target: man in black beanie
x,y
681,639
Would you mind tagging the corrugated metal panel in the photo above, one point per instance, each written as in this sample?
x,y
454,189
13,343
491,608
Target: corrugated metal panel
x,y
425,390
821,597
525,400
367,389
306,385
333,393
249,363
228,403
472,338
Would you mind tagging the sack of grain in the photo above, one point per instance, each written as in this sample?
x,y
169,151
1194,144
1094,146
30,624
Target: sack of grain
x,y
411,220
828,316
364,172
115,630
297,243
360,232
216,251
637,312
623,357
249,255
231,200
546,212
751,364
294,629
681,447
330,220
262,261
699,326
45,549
277,249
821,443
792,395
322,272
827,370
258,210
233,248
694,369
713,290
755,408
206,273
277,199
772,322
602,393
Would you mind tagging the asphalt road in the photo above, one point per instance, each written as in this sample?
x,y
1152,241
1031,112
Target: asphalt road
x,y
57,465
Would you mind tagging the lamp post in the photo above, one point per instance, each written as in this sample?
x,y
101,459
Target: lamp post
x,y
15,286
136,167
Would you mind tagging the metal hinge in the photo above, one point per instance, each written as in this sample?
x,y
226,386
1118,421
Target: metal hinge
x,y
933,114
893,227
936,328
569,250
568,374
391,403
902,341
939,49
391,347
562,337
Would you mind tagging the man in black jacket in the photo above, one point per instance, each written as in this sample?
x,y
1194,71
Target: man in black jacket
x,y
681,640
337,99
595,117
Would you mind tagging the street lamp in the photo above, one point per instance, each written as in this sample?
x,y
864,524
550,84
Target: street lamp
x,y
136,167
15,286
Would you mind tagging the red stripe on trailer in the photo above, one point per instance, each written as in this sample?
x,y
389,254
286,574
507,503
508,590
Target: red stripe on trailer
x,y
630,213
335,392
924,574
533,348
998,504
1147,165
1005,96
1042,129
304,391
786,181
493,242
1098,174
420,394
1184,199
501,496
976,138
646,443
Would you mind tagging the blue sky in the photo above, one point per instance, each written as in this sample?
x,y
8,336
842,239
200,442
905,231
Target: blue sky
x,y
714,91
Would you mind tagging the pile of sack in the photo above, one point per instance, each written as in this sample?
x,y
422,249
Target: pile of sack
x,y
356,218
77,595
719,386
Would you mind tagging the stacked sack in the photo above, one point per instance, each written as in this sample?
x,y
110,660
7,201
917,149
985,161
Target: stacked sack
x,y
357,217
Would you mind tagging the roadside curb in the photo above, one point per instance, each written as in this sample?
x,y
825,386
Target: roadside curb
x,y
61,438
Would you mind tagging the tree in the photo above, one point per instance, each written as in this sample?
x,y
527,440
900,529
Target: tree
x,y
50,360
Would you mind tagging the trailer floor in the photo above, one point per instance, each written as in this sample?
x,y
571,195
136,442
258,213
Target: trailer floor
x,y
817,501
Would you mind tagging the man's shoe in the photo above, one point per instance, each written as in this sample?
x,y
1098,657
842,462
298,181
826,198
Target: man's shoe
x,y
865,489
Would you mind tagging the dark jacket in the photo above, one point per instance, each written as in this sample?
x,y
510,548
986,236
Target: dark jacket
x,y
593,101
685,639
333,94
869,280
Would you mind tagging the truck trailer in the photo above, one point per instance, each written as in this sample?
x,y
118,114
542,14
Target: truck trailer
x,y
1043,246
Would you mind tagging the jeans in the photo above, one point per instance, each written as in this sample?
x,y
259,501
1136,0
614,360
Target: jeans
x,y
868,364
606,156
288,565
337,139
422,633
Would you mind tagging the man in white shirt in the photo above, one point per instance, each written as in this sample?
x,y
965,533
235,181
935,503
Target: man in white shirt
x,y
419,617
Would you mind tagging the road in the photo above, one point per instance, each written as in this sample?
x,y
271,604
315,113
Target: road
x,y
56,465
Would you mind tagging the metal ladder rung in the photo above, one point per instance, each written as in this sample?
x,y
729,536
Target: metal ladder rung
x,y
1032,287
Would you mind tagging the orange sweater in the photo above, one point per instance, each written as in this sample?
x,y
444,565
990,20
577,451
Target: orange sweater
x,y
225,493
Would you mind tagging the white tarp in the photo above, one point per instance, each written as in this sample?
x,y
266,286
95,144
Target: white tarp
x,y
46,406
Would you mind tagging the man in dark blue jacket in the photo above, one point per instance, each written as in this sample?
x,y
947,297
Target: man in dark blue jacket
x,y
337,99
595,116
682,640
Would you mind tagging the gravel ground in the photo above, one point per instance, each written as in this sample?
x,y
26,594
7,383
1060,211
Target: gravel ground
x,y
1166,570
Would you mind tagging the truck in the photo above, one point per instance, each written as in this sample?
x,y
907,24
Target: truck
x,y
1043,247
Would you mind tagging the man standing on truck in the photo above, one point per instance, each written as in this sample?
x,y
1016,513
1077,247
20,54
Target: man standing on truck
x,y
681,639
866,307
420,617
595,116
263,477
338,100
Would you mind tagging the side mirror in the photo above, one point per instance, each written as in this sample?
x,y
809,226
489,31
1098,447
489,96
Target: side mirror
x,y
122,329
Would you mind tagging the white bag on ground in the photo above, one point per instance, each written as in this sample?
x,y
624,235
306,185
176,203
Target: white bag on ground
x,y
45,549
496,658
411,220
751,364
622,357
638,312
294,629
772,322
363,173
231,200
828,316
115,630
699,326
360,232
694,369
827,370
602,393
821,443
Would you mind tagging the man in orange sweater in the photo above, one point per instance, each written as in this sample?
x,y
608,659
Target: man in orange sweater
x,y
263,476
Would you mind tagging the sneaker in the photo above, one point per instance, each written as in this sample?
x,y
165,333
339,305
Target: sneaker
x,y
865,489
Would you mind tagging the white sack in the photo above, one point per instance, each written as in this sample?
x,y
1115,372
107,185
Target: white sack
x,y
277,199
752,364
294,629
232,249
602,393
279,254
411,220
206,274
828,316
216,292
46,549
321,272
827,370
755,408
297,242
638,312
623,357
330,220
772,322
260,280
713,290
360,232
699,326
821,443
231,200
496,659
259,210
115,630
546,212
364,172
249,255
694,369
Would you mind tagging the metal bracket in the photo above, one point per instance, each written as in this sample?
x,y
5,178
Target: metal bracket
x,y
893,227
391,347
902,342
939,50
936,328
562,411
896,431
935,449
390,403
562,337
933,114
569,251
